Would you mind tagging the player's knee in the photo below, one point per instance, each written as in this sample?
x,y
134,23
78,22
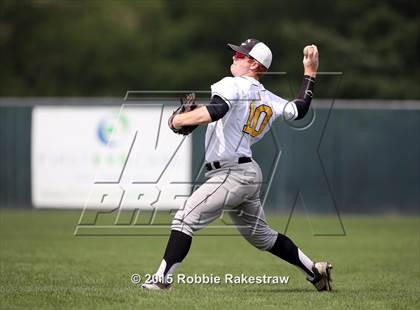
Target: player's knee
x,y
263,244
185,223
182,226
262,240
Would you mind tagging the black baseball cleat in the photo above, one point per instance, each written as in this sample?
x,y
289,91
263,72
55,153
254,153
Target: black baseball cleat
x,y
322,280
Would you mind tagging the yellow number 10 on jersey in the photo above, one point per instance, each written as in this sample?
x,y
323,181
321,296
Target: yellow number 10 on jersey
x,y
253,119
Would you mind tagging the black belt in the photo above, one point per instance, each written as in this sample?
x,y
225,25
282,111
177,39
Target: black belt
x,y
216,164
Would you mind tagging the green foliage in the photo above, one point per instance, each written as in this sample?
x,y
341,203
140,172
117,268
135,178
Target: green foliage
x,y
102,48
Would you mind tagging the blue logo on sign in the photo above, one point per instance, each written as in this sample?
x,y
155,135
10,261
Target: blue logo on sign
x,y
111,132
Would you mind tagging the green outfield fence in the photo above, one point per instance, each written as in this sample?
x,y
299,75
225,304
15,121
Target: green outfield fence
x,y
15,156
358,156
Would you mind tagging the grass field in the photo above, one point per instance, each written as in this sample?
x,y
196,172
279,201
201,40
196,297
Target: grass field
x,y
44,266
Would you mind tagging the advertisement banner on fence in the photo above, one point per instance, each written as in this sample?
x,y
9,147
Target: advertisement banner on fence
x,y
108,157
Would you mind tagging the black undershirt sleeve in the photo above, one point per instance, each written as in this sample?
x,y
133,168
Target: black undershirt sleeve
x,y
217,108
303,101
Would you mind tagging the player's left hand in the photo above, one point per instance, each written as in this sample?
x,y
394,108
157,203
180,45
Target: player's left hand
x,y
187,104
171,124
310,59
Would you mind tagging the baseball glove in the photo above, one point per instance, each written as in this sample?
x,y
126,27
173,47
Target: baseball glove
x,y
187,105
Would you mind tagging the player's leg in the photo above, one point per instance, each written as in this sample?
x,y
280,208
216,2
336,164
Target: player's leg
x,y
177,248
201,208
250,220
251,223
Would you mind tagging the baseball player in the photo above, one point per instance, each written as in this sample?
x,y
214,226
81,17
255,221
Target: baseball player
x,y
240,113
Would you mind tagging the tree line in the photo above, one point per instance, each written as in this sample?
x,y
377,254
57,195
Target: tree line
x,y
368,49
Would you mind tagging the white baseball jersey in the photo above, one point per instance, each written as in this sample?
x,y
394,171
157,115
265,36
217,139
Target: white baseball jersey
x,y
252,110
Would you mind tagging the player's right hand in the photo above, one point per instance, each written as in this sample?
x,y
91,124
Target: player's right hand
x,y
310,59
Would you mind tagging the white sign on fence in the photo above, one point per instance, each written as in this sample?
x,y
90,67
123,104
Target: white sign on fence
x,y
108,157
